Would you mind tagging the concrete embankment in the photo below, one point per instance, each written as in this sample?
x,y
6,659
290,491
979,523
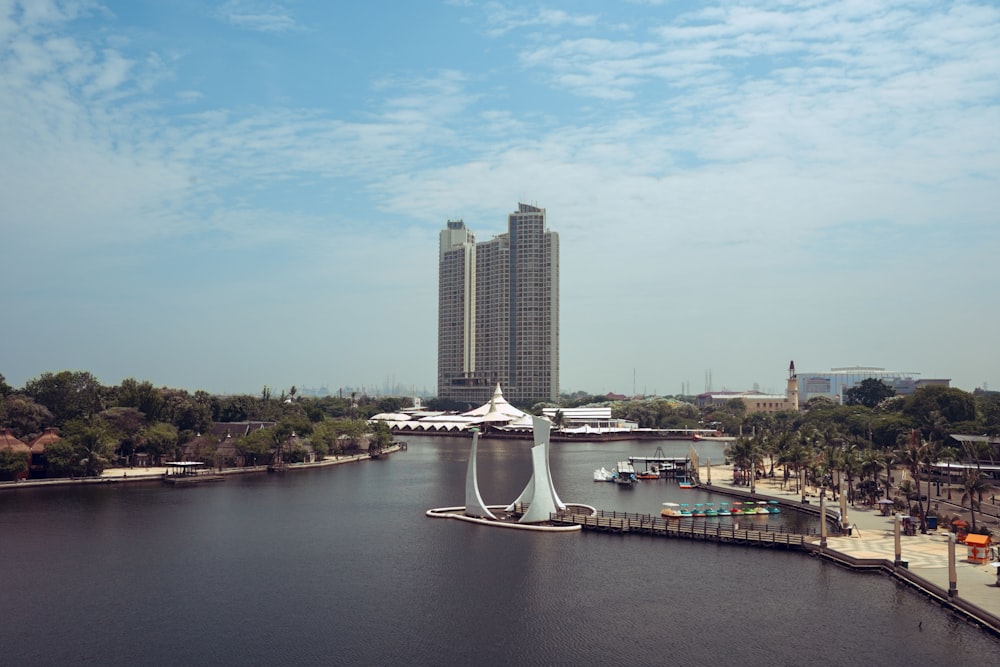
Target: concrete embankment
x,y
870,545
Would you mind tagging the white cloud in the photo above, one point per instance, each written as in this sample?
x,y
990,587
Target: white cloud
x,y
258,15
681,162
502,19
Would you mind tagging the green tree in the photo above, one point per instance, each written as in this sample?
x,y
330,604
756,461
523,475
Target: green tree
x,y
852,467
912,455
61,459
988,408
12,463
68,395
24,416
160,441
93,444
257,447
142,396
382,438
869,392
974,485
189,413
954,405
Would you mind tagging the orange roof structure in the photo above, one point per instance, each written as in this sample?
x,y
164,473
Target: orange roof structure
x,y
8,441
977,540
46,438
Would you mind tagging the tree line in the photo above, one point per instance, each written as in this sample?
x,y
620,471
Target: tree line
x,y
101,425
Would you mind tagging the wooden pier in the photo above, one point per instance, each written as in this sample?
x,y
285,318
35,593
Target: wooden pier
x,y
683,527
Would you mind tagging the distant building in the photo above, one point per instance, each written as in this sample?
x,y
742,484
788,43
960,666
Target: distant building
x,y
755,401
833,383
593,417
498,311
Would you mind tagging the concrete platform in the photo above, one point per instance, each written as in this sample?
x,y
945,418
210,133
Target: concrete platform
x,y
872,537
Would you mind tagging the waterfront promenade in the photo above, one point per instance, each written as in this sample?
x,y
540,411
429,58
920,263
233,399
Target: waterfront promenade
x,y
872,538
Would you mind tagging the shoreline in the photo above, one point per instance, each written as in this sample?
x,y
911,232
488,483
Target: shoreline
x,y
870,546
156,473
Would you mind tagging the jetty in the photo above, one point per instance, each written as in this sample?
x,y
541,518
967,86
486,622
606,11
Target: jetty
x,y
742,532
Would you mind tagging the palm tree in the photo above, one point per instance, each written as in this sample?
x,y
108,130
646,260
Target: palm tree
x,y
871,465
852,466
930,454
912,456
909,491
798,455
740,453
974,485
833,455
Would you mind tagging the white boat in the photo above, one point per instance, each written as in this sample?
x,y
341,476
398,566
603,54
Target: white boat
x,y
603,475
624,473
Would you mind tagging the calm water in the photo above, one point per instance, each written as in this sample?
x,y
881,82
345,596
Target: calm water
x,y
340,566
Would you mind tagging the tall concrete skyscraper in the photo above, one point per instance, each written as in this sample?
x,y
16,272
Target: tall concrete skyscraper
x,y
498,311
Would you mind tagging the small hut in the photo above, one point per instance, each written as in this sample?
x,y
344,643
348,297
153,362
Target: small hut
x,y
979,548
38,445
9,443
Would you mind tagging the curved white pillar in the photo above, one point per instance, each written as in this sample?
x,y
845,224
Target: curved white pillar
x,y
540,493
474,505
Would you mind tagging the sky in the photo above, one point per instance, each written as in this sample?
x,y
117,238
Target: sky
x,y
229,194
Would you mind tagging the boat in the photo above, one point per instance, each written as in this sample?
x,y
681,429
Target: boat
x,y
685,484
624,474
603,475
648,475
685,509
710,510
761,507
671,511
724,509
699,509
773,507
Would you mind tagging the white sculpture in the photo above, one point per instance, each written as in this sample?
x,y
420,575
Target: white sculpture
x,y
474,505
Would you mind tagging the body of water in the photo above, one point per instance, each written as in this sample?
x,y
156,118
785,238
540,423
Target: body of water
x,y
340,566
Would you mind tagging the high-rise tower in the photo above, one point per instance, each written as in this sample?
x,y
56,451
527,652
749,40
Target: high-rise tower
x,y
498,311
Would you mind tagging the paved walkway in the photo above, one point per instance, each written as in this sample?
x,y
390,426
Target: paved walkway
x,y
872,536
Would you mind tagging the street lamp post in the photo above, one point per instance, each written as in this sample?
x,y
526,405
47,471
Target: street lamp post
x,y
822,518
952,574
895,532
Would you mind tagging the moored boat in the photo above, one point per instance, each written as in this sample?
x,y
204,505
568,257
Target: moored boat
x,y
603,475
624,474
671,511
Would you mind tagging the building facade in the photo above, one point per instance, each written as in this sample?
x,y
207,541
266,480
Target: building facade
x,y
833,383
498,311
755,401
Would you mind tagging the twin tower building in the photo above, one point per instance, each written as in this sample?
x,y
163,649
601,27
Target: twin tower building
x,y
498,312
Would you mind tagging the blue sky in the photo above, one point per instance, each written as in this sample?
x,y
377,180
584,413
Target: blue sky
x,y
231,194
